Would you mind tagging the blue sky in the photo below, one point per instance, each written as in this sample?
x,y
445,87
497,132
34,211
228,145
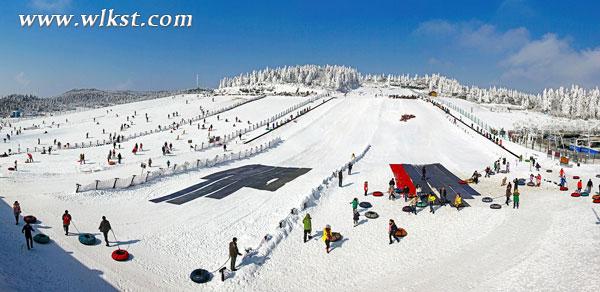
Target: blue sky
x,y
520,44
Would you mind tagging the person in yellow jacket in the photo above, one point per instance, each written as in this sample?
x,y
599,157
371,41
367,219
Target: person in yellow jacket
x,y
431,200
458,201
327,237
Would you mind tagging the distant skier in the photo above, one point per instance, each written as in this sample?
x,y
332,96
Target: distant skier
x,y
366,187
355,217
66,218
392,228
233,253
307,227
340,177
327,237
105,228
16,212
354,204
27,229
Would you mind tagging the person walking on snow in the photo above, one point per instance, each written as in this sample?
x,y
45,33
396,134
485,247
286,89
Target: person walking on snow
x,y
508,193
27,229
307,227
406,192
340,177
413,204
354,204
538,180
16,212
561,173
66,218
355,217
233,253
431,199
457,201
423,173
588,187
391,195
579,186
349,168
105,228
563,181
392,183
327,237
507,167
516,199
366,187
392,228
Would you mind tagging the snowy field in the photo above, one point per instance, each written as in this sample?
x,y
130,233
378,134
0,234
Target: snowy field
x,y
549,244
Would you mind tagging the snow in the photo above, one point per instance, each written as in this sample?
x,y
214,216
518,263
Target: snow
x,y
549,244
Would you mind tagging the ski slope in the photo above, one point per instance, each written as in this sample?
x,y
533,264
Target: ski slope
x,y
476,248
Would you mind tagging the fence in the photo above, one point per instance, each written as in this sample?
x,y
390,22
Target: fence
x,y
160,128
270,241
134,180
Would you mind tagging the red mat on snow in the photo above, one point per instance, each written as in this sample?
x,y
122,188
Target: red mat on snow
x,y
402,178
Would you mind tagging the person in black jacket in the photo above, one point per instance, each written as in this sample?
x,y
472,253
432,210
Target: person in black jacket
x,y
340,177
105,228
27,229
233,253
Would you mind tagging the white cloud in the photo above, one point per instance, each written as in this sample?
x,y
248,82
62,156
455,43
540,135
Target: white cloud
x,y
21,79
51,5
551,61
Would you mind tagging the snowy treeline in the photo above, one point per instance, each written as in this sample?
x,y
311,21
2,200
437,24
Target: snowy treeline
x,y
335,77
562,102
76,98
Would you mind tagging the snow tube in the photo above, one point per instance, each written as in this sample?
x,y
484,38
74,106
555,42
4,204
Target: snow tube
x,y
371,215
335,236
41,238
11,169
548,170
397,190
120,255
30,219
521,182
487,200
87,239
597,201
377,194
585,194
575,177
495,206
598,175
575,195
596,197
407,209
462,182
531,184
200,276
422,204
400,232
110,162
564,189
365,205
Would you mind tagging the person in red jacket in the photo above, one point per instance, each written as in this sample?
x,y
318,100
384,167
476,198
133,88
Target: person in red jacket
x,y
561,173
366,187
66,218
579,186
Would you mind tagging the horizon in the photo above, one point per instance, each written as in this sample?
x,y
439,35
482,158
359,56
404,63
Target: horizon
x,y
522,45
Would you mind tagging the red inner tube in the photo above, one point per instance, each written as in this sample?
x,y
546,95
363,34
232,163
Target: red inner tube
x,y
575,177
597,201
575,194
564,188
462,182
377,194
120,255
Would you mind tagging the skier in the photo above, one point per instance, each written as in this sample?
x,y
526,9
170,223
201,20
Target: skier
x,y
366,187
66,218
16,211
307,227
457,201
355,217
233,253
431,199
327,237
392,231
27,229
354,204
340,177
508,193
105,228
589,186
516,199
579,186
349,168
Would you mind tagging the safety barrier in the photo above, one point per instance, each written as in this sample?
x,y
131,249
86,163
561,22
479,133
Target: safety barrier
x,y
134,180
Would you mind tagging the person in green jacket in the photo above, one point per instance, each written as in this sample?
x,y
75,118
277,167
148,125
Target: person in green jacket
x,y
516,199
307,227
354,204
